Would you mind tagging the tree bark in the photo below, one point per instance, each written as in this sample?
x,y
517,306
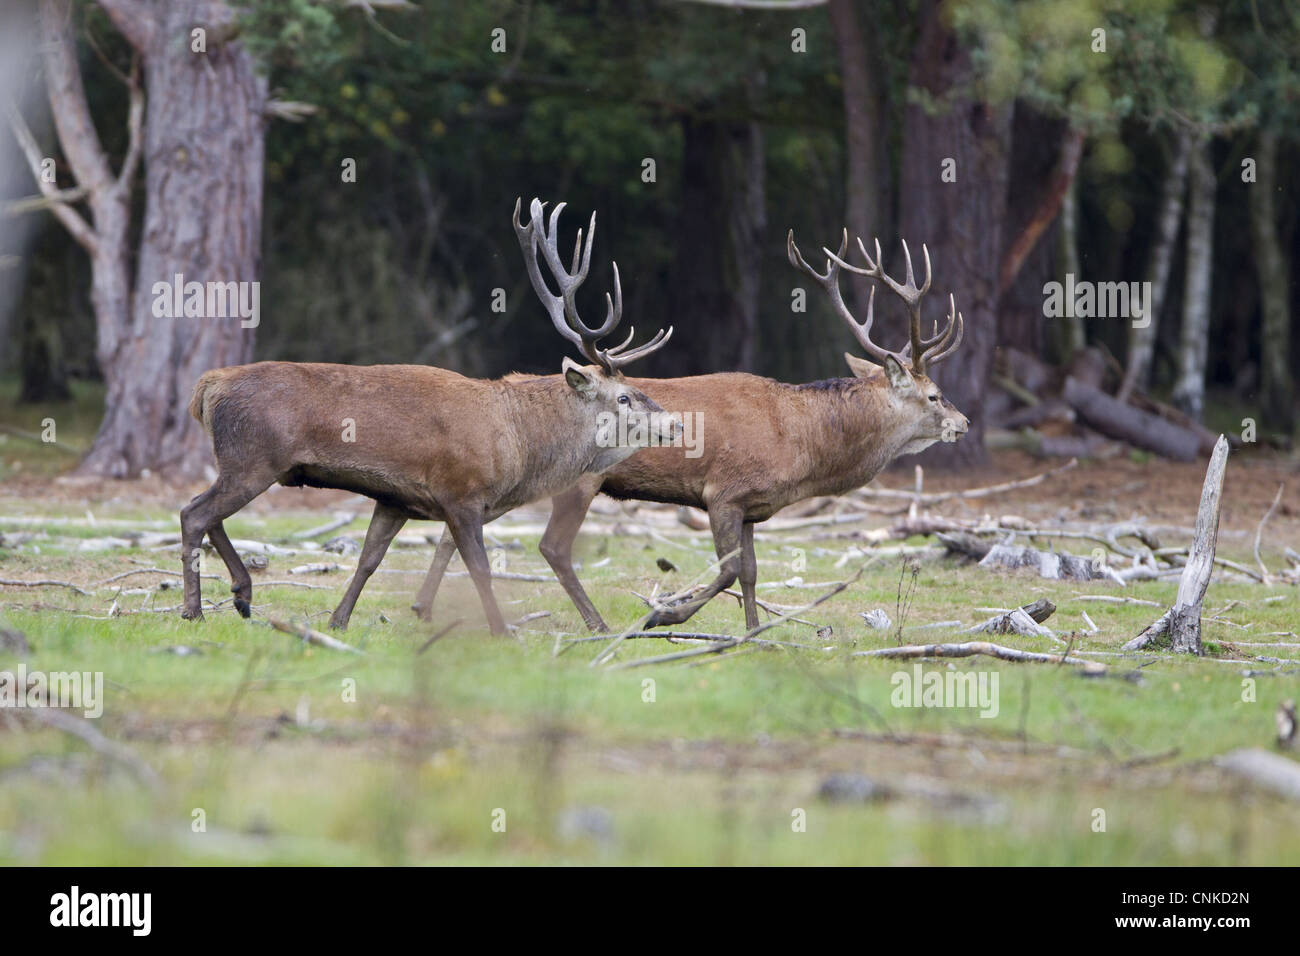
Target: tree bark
x,y
1074,338
718,253
1142,341
866,160
1193,346
962,221
1270,267
203,134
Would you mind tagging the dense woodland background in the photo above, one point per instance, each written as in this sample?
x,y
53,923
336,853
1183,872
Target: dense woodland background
x,y
1168,156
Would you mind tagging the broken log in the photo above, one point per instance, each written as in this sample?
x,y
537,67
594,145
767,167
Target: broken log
x,y
1119,420
1182,622
1054,565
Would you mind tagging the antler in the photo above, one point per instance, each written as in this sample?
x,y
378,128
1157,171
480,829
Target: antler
x,y
563,308
919,350
918,346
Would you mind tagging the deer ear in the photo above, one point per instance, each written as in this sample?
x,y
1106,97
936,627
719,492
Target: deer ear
x,y
861,368
899,377
579,379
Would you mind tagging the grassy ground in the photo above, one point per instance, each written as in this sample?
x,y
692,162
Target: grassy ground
x,y
486,750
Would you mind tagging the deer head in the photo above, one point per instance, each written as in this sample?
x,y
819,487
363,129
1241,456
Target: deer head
x,y
903,375
625,414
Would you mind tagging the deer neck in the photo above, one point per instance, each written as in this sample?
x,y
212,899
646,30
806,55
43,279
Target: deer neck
x,y
868,431
560,432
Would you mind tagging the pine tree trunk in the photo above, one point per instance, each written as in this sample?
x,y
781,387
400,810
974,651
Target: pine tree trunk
x,y
1193,345
204,136
1270,267
961,222
1142,341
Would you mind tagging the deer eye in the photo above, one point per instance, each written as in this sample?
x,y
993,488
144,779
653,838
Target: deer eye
x,y
624,400
934,398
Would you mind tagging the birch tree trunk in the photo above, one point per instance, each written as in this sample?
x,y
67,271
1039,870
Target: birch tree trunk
x,y
1074,338
1142,341
1189,393
1270,267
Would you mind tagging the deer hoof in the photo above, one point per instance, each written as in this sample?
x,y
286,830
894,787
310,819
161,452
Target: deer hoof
x,y
192,614
242,607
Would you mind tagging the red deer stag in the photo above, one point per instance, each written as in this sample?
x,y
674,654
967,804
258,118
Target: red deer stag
x,y
422,442
768,444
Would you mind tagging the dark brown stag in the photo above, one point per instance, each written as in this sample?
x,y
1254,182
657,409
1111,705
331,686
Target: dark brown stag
x,y
422,442
767,444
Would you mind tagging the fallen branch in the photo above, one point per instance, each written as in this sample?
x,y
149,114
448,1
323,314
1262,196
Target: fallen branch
x,y
748,636
6,582
973,648
312,636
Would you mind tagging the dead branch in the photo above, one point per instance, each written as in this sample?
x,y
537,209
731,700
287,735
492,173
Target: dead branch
x,y
7,582
748,636
1259,534
973,648
312,636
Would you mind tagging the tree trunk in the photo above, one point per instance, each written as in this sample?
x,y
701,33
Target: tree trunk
x,y
1142,341
717,265
1074,339
866,160
960,221
1189,393
1270,267
203,139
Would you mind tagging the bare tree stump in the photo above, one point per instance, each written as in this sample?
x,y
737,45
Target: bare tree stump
x,y
1182,622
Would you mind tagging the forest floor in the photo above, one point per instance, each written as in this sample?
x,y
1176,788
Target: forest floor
x,y
230,742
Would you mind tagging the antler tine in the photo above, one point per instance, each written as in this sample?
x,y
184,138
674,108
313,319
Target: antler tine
x,y
617,361
631,333
943,353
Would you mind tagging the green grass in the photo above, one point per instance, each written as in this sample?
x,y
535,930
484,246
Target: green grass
x,y
255,730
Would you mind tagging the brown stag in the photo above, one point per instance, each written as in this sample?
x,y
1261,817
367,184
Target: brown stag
x,y
422,442
768,444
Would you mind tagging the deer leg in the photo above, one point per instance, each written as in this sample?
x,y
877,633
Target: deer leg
x,y
384,525
748,574
423,606
240,583
467,528
200,517
567,513
727,522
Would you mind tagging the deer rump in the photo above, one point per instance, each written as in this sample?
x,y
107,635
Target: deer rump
x,y
382,431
